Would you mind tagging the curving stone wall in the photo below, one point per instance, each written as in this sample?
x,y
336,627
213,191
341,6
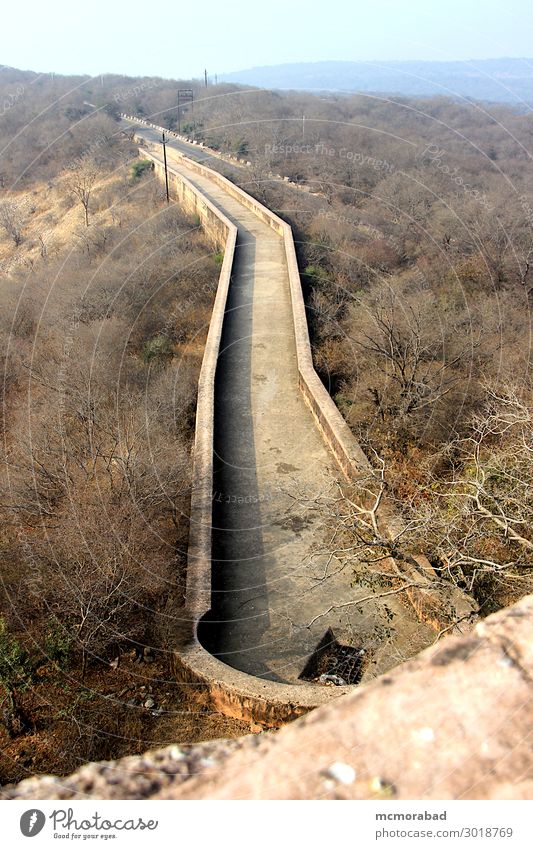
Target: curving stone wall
x,y
336,432
453,723
235,693
224,235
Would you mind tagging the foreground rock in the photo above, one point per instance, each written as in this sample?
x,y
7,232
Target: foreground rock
x,y
452,723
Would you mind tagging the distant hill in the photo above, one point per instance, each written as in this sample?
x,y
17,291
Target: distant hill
x,y
503,80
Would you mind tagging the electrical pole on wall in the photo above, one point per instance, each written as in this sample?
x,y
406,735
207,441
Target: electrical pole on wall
x,y
166,169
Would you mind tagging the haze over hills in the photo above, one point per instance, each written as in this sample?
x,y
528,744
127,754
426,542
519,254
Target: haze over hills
x,y
502,80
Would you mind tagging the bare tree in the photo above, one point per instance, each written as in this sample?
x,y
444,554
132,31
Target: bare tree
x,y
418,370
95,584
11,219
477,519
470,515
82,180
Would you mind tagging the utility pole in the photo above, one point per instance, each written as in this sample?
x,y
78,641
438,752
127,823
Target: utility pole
x,y
205,77
166,169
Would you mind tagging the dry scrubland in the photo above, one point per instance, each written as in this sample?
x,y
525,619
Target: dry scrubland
x,y
414,224
102,334
414,221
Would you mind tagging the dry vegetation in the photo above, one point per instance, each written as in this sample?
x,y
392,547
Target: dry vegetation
x,y
106,297
414,224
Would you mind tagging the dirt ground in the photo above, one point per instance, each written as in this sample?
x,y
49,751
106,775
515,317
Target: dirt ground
x,y
105,718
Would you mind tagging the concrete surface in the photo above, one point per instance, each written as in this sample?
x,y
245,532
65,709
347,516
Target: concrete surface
x,y
453,723
270,460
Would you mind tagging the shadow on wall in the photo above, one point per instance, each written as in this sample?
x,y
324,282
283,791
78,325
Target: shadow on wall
x,y
234,627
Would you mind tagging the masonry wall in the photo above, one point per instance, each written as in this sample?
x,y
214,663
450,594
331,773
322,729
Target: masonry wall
x,y
263,703
233,692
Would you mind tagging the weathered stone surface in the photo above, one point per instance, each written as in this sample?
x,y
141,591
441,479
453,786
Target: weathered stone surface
x,y
452,723
130,778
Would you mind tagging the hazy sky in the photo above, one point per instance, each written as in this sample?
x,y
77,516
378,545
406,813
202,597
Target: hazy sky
x,y
173,39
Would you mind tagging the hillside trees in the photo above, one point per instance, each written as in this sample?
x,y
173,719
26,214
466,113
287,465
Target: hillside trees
x,y
82,181
477,517
95,484
15,675
468,509
12,218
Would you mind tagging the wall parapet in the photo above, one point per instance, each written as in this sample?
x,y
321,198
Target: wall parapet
x,y
259,701
334,429
237,693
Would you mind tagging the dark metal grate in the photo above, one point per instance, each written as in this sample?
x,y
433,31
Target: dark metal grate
x,y
334,662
